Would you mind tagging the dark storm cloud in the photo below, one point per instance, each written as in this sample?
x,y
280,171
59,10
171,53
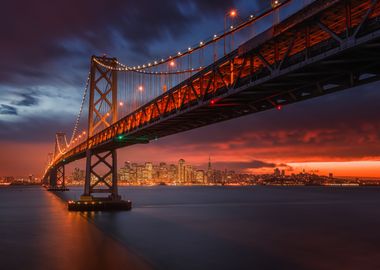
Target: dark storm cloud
x,y
6,109
34,32
38,129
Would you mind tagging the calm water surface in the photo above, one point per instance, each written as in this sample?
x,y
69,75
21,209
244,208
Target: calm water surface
x,y
195,228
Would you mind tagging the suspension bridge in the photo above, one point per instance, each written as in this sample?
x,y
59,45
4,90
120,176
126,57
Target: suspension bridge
x,y
327,46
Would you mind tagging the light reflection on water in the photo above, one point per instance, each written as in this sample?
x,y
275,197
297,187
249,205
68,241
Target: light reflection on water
x,y
204,228
37,232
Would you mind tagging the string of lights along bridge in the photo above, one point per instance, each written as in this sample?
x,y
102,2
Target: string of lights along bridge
x,y
328,45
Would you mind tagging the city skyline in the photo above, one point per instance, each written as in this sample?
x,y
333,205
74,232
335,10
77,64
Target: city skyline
x,y
320,168
182,173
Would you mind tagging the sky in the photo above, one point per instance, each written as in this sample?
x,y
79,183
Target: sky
x,y
45,52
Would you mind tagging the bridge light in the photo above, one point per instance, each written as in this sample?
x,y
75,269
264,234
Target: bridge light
x,y
212,102
201,43
275,3
84,132
172,63
233,13
121,103
279,107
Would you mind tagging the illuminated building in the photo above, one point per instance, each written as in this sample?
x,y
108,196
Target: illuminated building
x,y
189,175
148,171
209,175
200,176
181,170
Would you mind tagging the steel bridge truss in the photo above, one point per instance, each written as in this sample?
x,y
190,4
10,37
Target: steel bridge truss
x,y
57,177
101,168
103,96
101,174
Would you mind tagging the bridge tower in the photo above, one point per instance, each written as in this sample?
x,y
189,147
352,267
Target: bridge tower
x,y
57,173
101,165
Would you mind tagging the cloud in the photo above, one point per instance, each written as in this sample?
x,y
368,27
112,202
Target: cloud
x,y
37,41
28,99
253,164
7,110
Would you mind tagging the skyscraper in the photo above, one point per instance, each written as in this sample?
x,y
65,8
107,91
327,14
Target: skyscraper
x,y
149,170
209,173
189,175
181,170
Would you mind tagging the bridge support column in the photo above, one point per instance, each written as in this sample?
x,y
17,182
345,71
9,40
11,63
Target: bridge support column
x,y
101,178
101,175
60,176
101,165
57,178
53,177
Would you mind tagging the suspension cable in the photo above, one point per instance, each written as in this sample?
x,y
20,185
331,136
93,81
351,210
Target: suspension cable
x,y
81,108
